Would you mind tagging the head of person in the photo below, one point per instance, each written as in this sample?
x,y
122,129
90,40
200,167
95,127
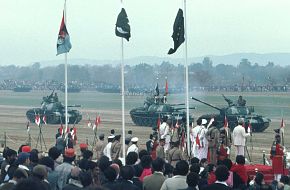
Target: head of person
x,y
40,172
203,162
85,178
111,138
10,155
278,138
112,131
117,138
228,163
110,173
93,167
168,169
104,163
151,136
192,179
20,174
54,153
127,172
75,173
28,184
48,162
69,155
222,173
134,140
241,121
181,168
20,148
101,137
195,168
88,155
146,161
131,158
142,153
23,158
158,165
162,142
116,168
119,162
194,160
284,179
83,147
176,144
211,167
259,178
138,169
240,159
198,122
164,119
130,132
34,156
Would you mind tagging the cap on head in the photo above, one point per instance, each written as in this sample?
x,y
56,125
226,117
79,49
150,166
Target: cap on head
x,y
22,157
26,149
83,146
70,152
134,139
101,136
111,137
203,121
40,170
241,120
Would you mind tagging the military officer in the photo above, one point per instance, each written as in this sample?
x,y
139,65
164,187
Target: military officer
x,y
116,148
175,154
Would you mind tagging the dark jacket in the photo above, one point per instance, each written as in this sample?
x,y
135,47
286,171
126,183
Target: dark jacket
x,y
126,185
217,186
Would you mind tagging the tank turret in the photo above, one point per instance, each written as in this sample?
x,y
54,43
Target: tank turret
x,y
155,107
54,111
234,111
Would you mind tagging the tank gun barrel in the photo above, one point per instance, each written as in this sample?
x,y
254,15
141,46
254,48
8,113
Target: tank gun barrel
x,y
177,104
205,103
191,108
229,101
75,106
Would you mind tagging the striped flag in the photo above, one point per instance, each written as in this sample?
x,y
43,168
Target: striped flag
x,y
158,123
37,119
226,125
63,41
28,127
44,119
97,122
282,126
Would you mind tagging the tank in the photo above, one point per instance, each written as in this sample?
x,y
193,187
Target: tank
x,y
233,112
54,111
155,108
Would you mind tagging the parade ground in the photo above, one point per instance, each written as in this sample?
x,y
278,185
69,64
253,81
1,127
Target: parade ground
x,y
13,106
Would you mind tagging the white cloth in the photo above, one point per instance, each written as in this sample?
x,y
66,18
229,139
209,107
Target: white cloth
x,y
240,150
107,150
195,149
202,153
239,136
164,133
133,148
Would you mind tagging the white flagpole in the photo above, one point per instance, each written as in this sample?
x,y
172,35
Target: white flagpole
x,y
186,81
65,75
123,96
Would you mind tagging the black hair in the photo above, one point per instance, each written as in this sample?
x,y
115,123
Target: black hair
x,y
130,132
127,172
240,159
34,156
87,154
119,162
151,136
194,160
92,165
195,168
210,167
158,164
203,160
192,179
47,161
8,153
110,173
117,137
222,173
20,173
131,158
143,153
84,164
168,169
85,178
103,163
68,159
181,168
146,161
112,131
284,179
259,178
198,121
54,153
138,169
228,163
28,184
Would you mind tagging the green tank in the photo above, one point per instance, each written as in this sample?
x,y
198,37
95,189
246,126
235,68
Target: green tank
x,y
54,111
154,108
233,112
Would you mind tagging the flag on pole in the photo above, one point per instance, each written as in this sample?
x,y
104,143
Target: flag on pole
x,y
28,127
37,119
97,122
74,133
63,41
158,123
178,31
44,119
282,126
122,26
226,124
156,90
61,129
166,87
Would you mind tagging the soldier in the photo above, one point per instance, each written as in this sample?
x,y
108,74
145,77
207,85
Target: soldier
x,y
116,148
175,154
241,101
160,153
239,137
277,156
133,147
200,144
223,150
212,136
107,149
149,144
100,146
165,132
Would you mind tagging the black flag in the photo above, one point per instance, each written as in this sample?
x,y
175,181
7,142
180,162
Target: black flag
x,y
156,90
122,26
178,31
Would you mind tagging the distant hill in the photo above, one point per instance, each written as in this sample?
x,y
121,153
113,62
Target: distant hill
x,y
282,59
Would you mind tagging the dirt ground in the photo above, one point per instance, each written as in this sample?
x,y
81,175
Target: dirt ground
x,y
13,123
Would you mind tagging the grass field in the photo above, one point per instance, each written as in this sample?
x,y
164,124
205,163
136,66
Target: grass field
x,y
13,107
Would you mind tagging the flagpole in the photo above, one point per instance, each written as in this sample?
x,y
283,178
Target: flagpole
x,y
65,75
123,98
186,80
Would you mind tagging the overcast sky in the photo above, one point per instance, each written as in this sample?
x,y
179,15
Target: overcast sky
x,y
29,28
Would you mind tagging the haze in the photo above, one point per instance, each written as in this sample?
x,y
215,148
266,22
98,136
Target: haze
x,y
29,28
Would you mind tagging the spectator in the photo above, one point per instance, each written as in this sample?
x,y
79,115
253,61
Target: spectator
x,y
18,175
168,170
228,163
192,181
52,176
240,177
39,173
103,164
178,181
126,173
111,175
146,164
29,184
155,181
74,182
131,158
86,179
10,157
138,169
222,174
54,153
64,169
258,182
284,180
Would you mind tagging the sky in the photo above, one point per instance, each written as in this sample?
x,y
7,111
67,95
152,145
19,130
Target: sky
x,y
29,28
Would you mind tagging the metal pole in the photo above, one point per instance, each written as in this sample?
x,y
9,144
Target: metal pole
x,y
186,81
65,76
5,139
123,97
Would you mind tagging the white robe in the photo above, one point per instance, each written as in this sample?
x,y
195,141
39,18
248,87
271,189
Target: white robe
x,y
133,148
107,150
165,133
